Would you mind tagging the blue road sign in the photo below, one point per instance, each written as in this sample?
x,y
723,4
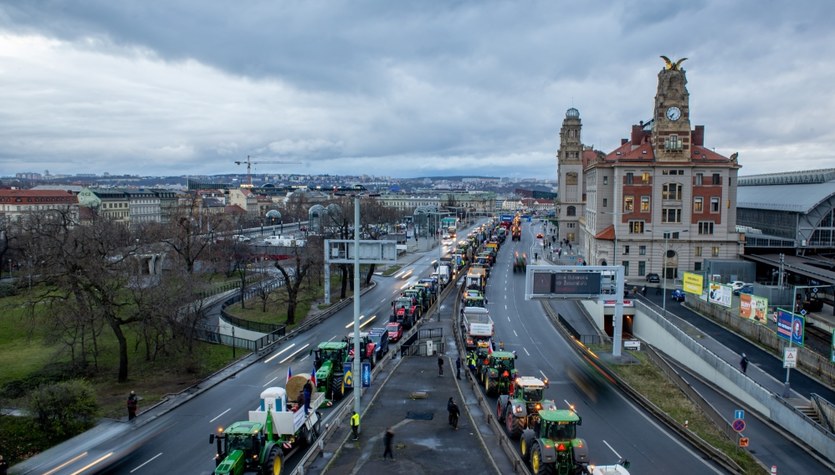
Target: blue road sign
x,y
366,374
739,414
738,425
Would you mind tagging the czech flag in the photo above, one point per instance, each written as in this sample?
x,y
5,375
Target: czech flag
x,y
289,374
313,376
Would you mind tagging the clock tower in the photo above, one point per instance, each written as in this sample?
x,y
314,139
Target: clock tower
x,y
671,131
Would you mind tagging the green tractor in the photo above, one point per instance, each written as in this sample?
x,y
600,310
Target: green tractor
x,y
552,446
329,360
247,446
498,372
520,262
520,409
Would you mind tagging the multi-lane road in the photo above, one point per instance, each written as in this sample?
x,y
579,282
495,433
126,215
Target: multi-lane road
x,y
177,441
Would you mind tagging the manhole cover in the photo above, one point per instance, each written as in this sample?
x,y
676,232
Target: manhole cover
x,y
420,416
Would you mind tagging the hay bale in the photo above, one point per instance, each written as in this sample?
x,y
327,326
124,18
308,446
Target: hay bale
x,y
295,388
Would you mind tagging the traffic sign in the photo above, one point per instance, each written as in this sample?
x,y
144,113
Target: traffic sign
x,y
789,357
803,312
743,441
739,414
738,425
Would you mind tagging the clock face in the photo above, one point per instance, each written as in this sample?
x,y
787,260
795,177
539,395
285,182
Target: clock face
x,y
673,113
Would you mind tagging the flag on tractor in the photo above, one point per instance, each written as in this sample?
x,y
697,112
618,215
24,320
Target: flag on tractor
x,y
313,376
289,374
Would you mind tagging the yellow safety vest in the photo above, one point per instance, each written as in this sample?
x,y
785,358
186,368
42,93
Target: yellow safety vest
x,y
355,420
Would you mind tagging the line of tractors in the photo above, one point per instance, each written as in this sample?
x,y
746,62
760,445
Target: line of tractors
x,y
547,436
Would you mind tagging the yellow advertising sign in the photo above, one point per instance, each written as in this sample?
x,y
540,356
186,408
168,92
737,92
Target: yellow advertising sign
x,y
693,283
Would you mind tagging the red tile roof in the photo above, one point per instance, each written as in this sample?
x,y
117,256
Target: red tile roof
x,y
607,234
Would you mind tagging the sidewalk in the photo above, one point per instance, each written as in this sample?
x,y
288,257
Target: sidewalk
x,y
412,401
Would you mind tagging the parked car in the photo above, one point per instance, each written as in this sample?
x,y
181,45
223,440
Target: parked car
x,y
678,295
736,285
653,278
241,238
745,289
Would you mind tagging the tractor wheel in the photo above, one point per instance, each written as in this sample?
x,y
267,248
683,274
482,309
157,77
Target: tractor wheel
x,y
308,436
500,415
524,450
538,467
514,425
337,387
275,461
317,427
373,359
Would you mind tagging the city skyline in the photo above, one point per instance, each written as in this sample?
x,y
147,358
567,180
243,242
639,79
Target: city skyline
x,y
401,90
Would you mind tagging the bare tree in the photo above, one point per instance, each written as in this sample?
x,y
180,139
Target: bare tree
x,y
190,231
303,258
90,266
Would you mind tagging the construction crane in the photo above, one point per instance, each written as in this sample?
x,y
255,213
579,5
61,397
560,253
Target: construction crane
x,y
249,163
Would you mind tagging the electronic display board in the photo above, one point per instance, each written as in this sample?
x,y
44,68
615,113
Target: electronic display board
x,y
557,284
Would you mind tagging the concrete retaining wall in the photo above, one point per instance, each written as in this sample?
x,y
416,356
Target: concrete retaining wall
x,y
651,327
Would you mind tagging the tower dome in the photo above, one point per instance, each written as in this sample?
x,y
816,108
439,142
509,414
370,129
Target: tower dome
x,y
572,114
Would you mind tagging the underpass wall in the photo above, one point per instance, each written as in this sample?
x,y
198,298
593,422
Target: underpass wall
x,y
651,327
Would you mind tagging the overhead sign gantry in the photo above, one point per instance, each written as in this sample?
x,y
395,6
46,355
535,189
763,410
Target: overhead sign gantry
x,y
580,283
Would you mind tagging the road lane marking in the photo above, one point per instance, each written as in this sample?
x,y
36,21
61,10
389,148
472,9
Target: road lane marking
x,y
613,450
219,415
331,338
94,462
526,351
279,353
268,382
543,374
146,462
294,353
515,334
508,319
72,460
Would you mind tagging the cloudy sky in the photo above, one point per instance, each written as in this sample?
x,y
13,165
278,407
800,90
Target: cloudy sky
x,y
400,88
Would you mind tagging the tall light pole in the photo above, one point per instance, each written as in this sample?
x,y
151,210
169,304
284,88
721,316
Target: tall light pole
x,y
664,271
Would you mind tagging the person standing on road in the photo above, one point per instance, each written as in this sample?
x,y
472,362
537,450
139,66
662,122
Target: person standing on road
x,y
458,367
387,439
743,363
454,412
133,405
440,366
355,425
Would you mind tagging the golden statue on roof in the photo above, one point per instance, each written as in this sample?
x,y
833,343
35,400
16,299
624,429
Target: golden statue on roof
x,y
672,66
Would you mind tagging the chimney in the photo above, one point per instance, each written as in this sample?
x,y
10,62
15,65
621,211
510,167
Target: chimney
x,y
637,133
699,136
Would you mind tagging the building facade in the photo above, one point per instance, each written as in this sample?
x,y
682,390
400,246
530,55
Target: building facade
x,y
19,205
660,203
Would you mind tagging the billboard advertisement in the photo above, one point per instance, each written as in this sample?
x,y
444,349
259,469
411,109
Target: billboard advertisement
x,y
693,283
753,308
791,326
720,294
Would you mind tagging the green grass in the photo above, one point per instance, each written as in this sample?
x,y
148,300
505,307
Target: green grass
x,y
652,383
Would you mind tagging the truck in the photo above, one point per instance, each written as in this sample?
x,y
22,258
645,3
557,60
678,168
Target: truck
x,y
520,408
476,326
498,372
406,311
443,275
329,360
552,446
274,429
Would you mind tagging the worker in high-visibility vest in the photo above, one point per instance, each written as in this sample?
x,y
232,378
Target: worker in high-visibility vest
x,y
355,425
